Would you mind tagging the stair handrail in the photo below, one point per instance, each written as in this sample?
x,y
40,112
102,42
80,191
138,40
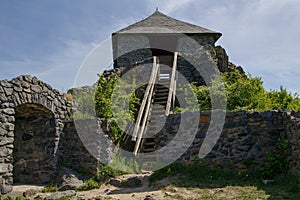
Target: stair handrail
x,y
146,95
172,87
147,113
146,116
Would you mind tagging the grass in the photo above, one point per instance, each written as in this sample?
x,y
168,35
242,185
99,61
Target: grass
x,y
103,176
233,184
91,184
50,188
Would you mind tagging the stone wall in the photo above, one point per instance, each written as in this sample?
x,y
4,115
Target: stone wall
x,y
247,137
36,130
293,133
131,48
84,145
34,143
31,112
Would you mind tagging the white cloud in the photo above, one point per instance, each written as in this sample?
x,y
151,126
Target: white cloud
x,y
260,35
58,69
168,6
63,65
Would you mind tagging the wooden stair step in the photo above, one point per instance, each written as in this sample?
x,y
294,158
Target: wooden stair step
x,y
159,94
163,70
150,143
149,150
162,102
158,112
160,98
162,90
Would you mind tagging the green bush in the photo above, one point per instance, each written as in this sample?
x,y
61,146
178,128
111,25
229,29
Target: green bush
x,y
244,93
85,103
107,172
107,90
90,184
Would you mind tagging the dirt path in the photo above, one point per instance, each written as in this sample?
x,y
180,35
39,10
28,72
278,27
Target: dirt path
x,y
137,187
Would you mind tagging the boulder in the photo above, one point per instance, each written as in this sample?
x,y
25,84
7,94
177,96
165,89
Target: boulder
x,y
70,182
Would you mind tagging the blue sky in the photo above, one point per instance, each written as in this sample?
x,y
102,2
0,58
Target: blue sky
x,y
50,39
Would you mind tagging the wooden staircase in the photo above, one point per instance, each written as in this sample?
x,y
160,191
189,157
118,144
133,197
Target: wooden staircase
x,y
157,103
160,99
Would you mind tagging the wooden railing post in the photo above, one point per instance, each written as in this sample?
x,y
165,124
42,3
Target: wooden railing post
x,y
172,83
142,107
146,115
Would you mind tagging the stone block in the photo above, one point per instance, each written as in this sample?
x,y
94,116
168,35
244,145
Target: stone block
x,y
5,168
36,88
8,91
8,111
4,189
5,83
3,119
9,126
5,141
3,131
3,97
18,89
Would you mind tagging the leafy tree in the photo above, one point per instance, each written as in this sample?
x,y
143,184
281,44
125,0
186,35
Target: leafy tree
x,y
108,89
245,93
283,100
242,92
103,96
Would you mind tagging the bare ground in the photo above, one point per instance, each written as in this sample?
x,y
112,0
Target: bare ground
x,y
160,190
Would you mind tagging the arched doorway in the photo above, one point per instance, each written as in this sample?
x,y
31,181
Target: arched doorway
x,y
34,143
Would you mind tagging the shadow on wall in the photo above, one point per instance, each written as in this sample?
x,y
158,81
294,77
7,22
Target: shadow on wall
x,y
33,144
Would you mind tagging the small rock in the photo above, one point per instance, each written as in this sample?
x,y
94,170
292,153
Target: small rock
x,y
149,197
168,194
107,191
174,190
70,182
115,182
29,193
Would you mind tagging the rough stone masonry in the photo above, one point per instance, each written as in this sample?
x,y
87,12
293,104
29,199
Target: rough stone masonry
x,y
36,131
32,114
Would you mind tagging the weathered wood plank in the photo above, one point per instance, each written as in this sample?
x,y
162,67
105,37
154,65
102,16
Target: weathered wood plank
x,y
171,89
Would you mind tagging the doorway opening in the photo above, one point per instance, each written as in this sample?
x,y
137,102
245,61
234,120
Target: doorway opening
x,y
34,144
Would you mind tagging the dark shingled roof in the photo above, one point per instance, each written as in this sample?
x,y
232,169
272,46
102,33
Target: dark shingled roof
x,y
161,23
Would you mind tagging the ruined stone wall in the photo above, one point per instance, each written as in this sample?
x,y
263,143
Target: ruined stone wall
x,y
35,130
23,102
246,138
293,133
84,146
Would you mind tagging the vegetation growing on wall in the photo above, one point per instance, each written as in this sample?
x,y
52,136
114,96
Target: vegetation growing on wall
x,y
242,92
106,90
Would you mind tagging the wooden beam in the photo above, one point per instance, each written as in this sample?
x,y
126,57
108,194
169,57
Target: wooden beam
x,y
141,111
171,89
146,116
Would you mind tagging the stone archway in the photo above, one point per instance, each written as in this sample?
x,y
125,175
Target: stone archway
x,y
17,97
34,143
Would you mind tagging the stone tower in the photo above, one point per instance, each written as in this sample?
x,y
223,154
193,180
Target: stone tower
x,y
157,35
